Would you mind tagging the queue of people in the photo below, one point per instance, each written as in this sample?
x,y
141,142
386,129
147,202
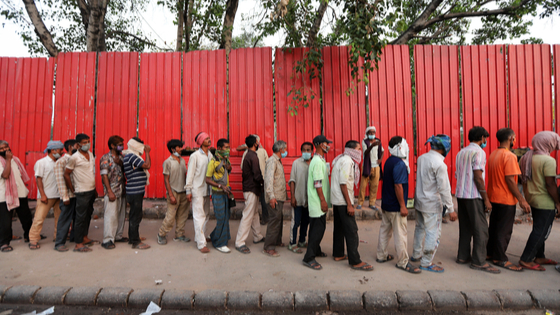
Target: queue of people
x,y
66,183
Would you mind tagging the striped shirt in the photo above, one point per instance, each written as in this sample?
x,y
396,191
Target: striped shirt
x,y
471,158
135,176
59,168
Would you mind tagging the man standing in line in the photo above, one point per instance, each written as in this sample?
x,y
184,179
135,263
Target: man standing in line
x,y
111,168
371,168
433,194
67,198
298,190
473,202
197,189
174,177
82,168
345,174
252,187
13,196
275,194
263,157
48,196
319,199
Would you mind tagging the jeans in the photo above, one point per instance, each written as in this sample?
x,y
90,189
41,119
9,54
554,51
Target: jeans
x,y
426,237
24,216
345,228
542,224
317,228
300,219
134,218
66,218
84,210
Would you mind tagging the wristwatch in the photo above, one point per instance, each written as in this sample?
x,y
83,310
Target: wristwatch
x,y
220,186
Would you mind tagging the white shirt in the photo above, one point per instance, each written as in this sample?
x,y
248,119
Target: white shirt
x,y
433,190
196,174
342,173
83,172
373,156
22,190
44,168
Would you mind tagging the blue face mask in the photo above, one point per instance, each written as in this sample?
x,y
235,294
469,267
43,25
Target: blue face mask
x,y
483,145
371,137
285,154
306,155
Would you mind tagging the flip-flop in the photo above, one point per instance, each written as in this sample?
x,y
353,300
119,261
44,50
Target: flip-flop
x,y
313,265
340,258
34,246
295,249
548,261
243,249
536,267
409,268
507,265
486,268
415,259
322,254
462,262
122,240
432,268
92,242
271,255
84,249
389,258
6,248
141,246
61,248
365,267
259,241
16,238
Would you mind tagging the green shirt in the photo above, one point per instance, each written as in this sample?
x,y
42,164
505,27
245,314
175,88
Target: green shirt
x,y
318,170
535,190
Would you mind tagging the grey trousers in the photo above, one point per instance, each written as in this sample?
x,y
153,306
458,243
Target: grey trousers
x,y
113,220
274,227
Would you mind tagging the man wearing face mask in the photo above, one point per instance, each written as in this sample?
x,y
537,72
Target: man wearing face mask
x,y
263,157
174,177
275,195
371,168
298,191
197,189
48,196
217,176
111,169
503,172
81,167
67,198
473,202
432,195
13,196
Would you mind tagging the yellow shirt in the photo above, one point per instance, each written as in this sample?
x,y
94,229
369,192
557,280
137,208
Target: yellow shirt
x,y
212,164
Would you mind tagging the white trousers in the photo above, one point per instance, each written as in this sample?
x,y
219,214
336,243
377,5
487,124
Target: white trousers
x,y
200,209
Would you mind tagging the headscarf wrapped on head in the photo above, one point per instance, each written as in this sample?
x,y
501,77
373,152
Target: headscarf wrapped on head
x,y
368,130
544,143
201,137
366,169
440,142
401,150
53,145
137,148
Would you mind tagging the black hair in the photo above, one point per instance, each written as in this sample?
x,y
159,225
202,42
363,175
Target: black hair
x,y
69,143
221,143
81,136
196,137
394,141
476,133
114,140
138,139
250,141
49,150
352,144
504,134
173,143
306,143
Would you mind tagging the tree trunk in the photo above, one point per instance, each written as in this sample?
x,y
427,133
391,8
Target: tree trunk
x,y
40,28
312,37
188,23
229,19
180,24
92,39
418,25
101,46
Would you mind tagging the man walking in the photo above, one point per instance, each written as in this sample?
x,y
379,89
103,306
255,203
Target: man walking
x,y
174,177
298,191
82,168
111,168
48,196
67,198
252,187
345,174
197,189
319,200
371,168
473,202
433,194
275,195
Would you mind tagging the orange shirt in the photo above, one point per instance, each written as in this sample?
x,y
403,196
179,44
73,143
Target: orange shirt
x,y
501,163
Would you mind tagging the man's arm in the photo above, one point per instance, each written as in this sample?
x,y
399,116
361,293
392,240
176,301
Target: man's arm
x,y
242,148
8,169
110,193
41,188
191,169
258,176
512,185
61,183
553,192
269,179
444,190
479,182
400,197
148,163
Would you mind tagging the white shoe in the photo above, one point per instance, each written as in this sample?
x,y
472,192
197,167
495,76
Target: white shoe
x,y
224,249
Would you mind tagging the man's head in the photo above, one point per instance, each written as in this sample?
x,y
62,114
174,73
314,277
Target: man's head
x,y
116,143
280,147
322,144
4,147
440,143
398,147
203,139
138,139
175,146
54,149
83,142
222,144
251,142
506,136
395,141
370,132
258,139
478,135
353,144
71,146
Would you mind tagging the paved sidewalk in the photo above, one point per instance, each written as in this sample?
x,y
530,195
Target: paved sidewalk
x,y
181,266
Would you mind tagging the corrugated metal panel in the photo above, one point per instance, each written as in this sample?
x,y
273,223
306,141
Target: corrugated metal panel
x,y
159,111
306,124
556,51
31,157
204,95
437,99
117,95
390,102
530,91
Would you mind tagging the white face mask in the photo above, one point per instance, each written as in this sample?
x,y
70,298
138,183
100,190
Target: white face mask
x,y
177,154
401,150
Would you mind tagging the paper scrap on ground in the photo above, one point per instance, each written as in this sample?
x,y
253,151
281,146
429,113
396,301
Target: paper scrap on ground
x,y
45,312
152,309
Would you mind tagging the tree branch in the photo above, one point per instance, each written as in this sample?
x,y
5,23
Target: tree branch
x,y
84,12
312,37
418,24
114,33
40,28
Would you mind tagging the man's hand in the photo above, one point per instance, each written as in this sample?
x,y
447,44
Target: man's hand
x,y
96,194
558,210
324,206
379,162
189,197
487,205
404,211
350,210
147,148
273,203
293,201
453,216
226,189
525,206
44,199
172,199
66,203
112,196
9,155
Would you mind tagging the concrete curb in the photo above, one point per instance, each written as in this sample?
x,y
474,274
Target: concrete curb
x,y
282,301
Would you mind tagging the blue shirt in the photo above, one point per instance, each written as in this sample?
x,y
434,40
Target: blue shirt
x,y
394,172
135,176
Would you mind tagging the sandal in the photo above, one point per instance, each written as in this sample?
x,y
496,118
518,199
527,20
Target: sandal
x,y
84,249
486,268
535,267
122,240
294,248
141,246
61,248
16,238
415,259
313,265
364,267
271,253
6,248
433,268
92,242
462,261
322,254
409,268
34,246
260,241
389,258
340,258
205,250
243,249
302,245
108,245
507,265
546,261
